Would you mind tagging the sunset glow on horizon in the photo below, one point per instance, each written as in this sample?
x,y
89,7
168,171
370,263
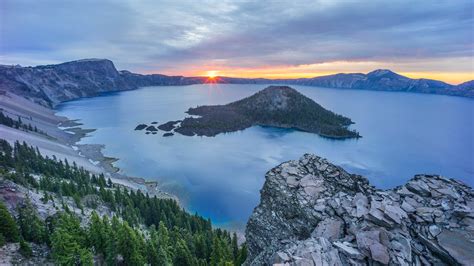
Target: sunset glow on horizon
x,y
211,73
323,69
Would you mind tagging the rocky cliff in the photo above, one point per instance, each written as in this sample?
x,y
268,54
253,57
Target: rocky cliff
x,y
315,213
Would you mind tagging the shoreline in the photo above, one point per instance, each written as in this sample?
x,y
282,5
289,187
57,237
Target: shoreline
x,y
94,154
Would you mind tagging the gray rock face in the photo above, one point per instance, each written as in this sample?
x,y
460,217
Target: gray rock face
x,y
315,213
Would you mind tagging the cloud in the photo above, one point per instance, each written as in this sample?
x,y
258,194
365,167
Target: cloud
x,y
173,36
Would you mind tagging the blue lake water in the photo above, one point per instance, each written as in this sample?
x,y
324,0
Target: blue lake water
x,y
220,177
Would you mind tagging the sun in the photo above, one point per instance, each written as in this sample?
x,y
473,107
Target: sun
x,y
211,73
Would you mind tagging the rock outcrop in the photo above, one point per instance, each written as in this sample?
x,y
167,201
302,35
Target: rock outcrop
x,y
315,213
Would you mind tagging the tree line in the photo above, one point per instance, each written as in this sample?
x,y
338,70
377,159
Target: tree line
x,y
18,124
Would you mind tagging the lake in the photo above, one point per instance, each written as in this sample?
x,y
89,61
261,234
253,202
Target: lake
x,y
220,177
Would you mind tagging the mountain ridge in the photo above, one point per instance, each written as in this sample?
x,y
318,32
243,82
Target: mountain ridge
x,y
52,84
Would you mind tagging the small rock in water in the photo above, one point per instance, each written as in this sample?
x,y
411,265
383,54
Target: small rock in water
x,y
141,127
154,122
151,128
168,134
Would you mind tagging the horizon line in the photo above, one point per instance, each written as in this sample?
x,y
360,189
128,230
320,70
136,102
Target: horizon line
x,y
446,77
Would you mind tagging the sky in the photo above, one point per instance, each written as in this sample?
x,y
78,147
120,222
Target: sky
x,y
271,39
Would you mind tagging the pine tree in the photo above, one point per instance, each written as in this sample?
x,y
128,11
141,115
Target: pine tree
x,y
2,240
235,249
8,227
164,240
31,226
110,241
216,253
129,245
96,234
67,251
152,253
163,257
242,255
68,243
183,255
25,248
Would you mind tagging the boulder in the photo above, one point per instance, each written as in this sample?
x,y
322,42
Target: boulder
x,y
330,228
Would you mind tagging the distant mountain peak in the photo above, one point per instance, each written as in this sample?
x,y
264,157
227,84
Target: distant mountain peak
x,y
381,72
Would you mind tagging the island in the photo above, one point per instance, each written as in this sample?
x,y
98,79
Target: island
x,y
274,106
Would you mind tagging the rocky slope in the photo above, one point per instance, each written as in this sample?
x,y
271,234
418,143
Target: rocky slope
x,y
52,84
276,106
314,213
